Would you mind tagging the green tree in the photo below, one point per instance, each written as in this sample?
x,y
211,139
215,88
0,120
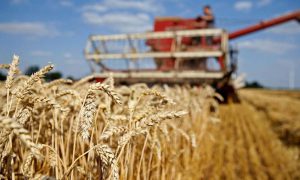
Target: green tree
x,y
53,75
48,77
31,69
2,76
254,84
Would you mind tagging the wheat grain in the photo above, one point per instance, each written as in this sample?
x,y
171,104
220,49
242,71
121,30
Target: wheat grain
x,y
23,115
113,130
4,66
89,110
4,135
52,158
69,92
26,168
49,102
13,69
161,96
58,82
108,159
157,118
126,138
22,91
23,134
108,90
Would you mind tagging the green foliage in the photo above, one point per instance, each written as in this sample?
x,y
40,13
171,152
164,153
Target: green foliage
x,y
71,78
52,76
31,69
2,76
48,77
253,84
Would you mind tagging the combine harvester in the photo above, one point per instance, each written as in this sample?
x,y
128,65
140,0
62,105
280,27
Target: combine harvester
x,y
179,50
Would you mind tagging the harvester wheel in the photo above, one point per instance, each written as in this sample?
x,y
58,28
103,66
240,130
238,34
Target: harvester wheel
x,y
229,94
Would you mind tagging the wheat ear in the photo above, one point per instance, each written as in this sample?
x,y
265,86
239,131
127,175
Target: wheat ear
x,y
26,166
49,101
58,82
12,125
89,110
157,118
13,69
23,90
111,131
23,115
4,66
108,90
69,92
108,159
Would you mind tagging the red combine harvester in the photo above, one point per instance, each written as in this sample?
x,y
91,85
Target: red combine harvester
x,y
178,50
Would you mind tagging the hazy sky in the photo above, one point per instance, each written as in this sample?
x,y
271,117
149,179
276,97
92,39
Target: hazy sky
x,y
43,31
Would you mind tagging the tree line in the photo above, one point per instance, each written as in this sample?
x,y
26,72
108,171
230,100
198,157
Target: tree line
x,y
32,69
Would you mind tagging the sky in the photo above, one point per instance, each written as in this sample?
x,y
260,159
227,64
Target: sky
x,y
56,31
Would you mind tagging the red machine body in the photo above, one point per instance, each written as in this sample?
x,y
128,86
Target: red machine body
x,y
171,24
180,57
165,45
175,23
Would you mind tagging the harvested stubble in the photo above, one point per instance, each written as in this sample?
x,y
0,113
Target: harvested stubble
x,y
282,109
97,131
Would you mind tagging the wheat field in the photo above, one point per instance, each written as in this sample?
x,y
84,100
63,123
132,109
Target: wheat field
x,y
89,130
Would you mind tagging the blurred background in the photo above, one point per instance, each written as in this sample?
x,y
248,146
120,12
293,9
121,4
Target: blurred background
x,y
56,31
